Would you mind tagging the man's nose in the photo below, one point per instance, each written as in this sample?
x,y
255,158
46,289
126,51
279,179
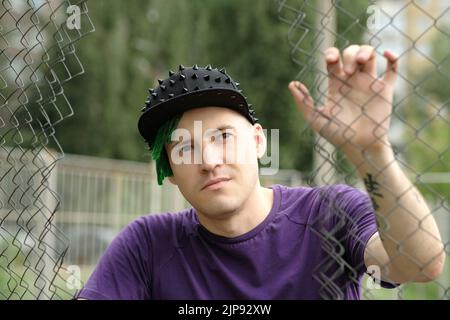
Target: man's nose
x,y
211,157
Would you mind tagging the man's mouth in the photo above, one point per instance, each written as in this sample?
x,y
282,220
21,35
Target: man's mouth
x,y
215,184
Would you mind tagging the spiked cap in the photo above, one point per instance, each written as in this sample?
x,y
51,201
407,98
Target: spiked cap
x,y
188,88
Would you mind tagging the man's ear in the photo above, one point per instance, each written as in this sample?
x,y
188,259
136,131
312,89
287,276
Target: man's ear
x,y
260,140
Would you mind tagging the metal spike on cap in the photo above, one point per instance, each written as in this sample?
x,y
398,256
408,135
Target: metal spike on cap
x,y
181,67
194,76
222,70
228,80
171,95
154,94
217,79
185,90
163,87
208,67
162,100
195,67
237,84
171,73
196,88
172,82
160,81
151,90
206,77
144,108
182,77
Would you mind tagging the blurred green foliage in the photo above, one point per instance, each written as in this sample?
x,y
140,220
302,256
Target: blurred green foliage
x,y
427,137
136,43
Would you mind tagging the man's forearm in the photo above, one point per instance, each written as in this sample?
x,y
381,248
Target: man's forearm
x,y
407,229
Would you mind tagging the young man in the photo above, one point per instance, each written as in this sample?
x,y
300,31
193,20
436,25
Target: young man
x,y
244,241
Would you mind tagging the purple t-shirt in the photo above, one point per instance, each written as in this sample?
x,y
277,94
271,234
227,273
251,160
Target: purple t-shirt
x,y
310,246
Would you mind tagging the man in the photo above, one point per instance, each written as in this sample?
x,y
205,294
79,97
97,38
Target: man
x,y
244,241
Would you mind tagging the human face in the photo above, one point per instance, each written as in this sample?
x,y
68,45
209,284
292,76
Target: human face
x,y
228,147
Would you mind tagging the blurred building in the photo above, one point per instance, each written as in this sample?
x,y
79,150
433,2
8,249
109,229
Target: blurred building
x,y
410,29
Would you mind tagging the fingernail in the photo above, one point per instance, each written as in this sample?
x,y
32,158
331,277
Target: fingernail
x,y
329,56
362,56
348,69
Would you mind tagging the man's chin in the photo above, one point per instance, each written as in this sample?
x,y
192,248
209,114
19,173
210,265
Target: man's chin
x,y
218,205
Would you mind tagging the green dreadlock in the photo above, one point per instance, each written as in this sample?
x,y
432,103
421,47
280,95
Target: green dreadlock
x,y
158,151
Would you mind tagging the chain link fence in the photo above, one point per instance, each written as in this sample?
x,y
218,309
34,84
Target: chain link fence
x,y
37,40
418,31
38,57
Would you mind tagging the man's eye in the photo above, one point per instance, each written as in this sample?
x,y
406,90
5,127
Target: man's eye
x,y
224,136
185,148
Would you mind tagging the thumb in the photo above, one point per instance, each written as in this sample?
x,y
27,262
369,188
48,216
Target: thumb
x,y
305,104
302,98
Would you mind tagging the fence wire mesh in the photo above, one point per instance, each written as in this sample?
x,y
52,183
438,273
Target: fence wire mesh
x,y
418,31
37,58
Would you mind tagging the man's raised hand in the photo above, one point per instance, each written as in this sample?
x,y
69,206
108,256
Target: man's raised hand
x,y
358,107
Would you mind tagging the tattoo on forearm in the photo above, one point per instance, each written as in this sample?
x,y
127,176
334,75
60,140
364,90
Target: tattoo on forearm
x,y
373,188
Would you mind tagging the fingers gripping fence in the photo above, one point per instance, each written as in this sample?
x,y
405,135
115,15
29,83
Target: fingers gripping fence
x,y
418,32
37,57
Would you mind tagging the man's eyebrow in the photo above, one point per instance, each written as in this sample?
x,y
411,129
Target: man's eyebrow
x,y
225,127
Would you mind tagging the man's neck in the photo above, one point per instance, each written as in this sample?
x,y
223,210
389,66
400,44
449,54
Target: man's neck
x,y
254,211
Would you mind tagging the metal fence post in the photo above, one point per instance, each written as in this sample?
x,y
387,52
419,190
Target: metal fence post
x,y
324,168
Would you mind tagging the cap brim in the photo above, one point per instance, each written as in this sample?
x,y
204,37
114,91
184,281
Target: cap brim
x,y
153,118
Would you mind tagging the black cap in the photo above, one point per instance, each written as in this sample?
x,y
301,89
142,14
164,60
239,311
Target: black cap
x,y
188,88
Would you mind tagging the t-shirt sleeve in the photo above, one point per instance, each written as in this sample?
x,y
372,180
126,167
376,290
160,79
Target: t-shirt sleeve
x,y
355,213
124,270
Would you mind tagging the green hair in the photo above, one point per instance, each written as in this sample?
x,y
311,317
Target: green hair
x,y
159,154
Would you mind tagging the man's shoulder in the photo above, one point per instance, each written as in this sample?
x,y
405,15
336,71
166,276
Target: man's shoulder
x,y
164,226
294,192
302,203
164,220
318,191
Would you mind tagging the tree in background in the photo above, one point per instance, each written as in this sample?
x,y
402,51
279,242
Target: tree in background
x,y
135,44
